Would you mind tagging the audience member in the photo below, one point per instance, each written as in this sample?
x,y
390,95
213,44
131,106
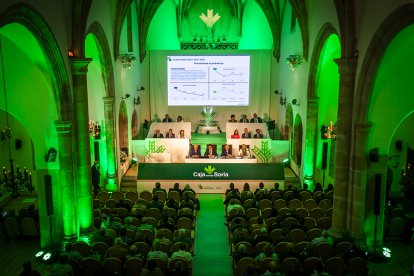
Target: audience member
x,y
232,190
155,203
263,236
323,238
176,188
330,188
157,253
235,134
123,235
241,253
182,253
101,236
165,223
158,188
267,253
152,269
182,238
62,268
118,250
128,224
272,269
72,254
178,270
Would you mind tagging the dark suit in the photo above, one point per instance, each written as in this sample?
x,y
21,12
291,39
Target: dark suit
x,y
158,135
244,120
259,120
246,135
213,152
194,152
170,135
258,136
226,153
167,120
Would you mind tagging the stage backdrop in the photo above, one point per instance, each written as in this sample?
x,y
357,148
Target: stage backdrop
x,y
260,66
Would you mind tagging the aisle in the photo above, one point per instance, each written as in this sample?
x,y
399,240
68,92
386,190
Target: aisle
x,y
212,247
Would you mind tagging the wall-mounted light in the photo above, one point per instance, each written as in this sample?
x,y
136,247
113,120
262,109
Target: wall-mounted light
x,y
137,100
294,61
295,102
126,96
282,100
127,60
140,88
70,53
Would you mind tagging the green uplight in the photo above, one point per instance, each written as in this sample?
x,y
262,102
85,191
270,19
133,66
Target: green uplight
x,y
111,184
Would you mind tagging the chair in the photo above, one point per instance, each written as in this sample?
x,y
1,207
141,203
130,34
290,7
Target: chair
x,y
282,248
154,212
271,221
329,213
309,223
357,266
135,221
11,227
142,248
106,211
97,222
290,221
302,212
186,265
190,194
324,223
104,196
29,227
247,203
152,221
118,219
111,203
164,233
76,267
133,266
185,223
162,264
164,247
325,204
397,213
265,203
301,247
100,248
342,247
297,235
249,247
263,264
310,204
113,265
276,234
295,203
279,204
133,196
97,203
266,213
312,263
290,264
305,195
175,195
90,266
148,233
317,213
396,227
323,250
243,264
335,266
283,211
177,245
313,233
162,196
275,195
147,195
122,212
252,213
82,247
130,234
259,247
117,195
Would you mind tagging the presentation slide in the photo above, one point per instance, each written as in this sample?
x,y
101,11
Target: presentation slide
x,y
208,80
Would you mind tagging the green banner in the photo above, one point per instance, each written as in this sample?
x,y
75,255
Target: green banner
x,y
210,171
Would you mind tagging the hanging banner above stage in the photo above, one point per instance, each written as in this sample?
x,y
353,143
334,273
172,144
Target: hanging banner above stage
x,y
213,171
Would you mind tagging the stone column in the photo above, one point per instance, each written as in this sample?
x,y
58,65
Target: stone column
x,y
357,187
64,131
343,144
82,152
111,175
311,139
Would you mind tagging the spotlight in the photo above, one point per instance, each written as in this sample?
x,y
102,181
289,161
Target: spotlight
x,y
126,96
295,102
70,53
140,88
134,161
137,100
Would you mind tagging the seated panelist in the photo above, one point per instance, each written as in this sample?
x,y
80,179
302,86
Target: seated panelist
x,y
244,119
158,134
246,133
235,135
195,151
244,151
211,151
170,134
233,119
227,151
258,135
